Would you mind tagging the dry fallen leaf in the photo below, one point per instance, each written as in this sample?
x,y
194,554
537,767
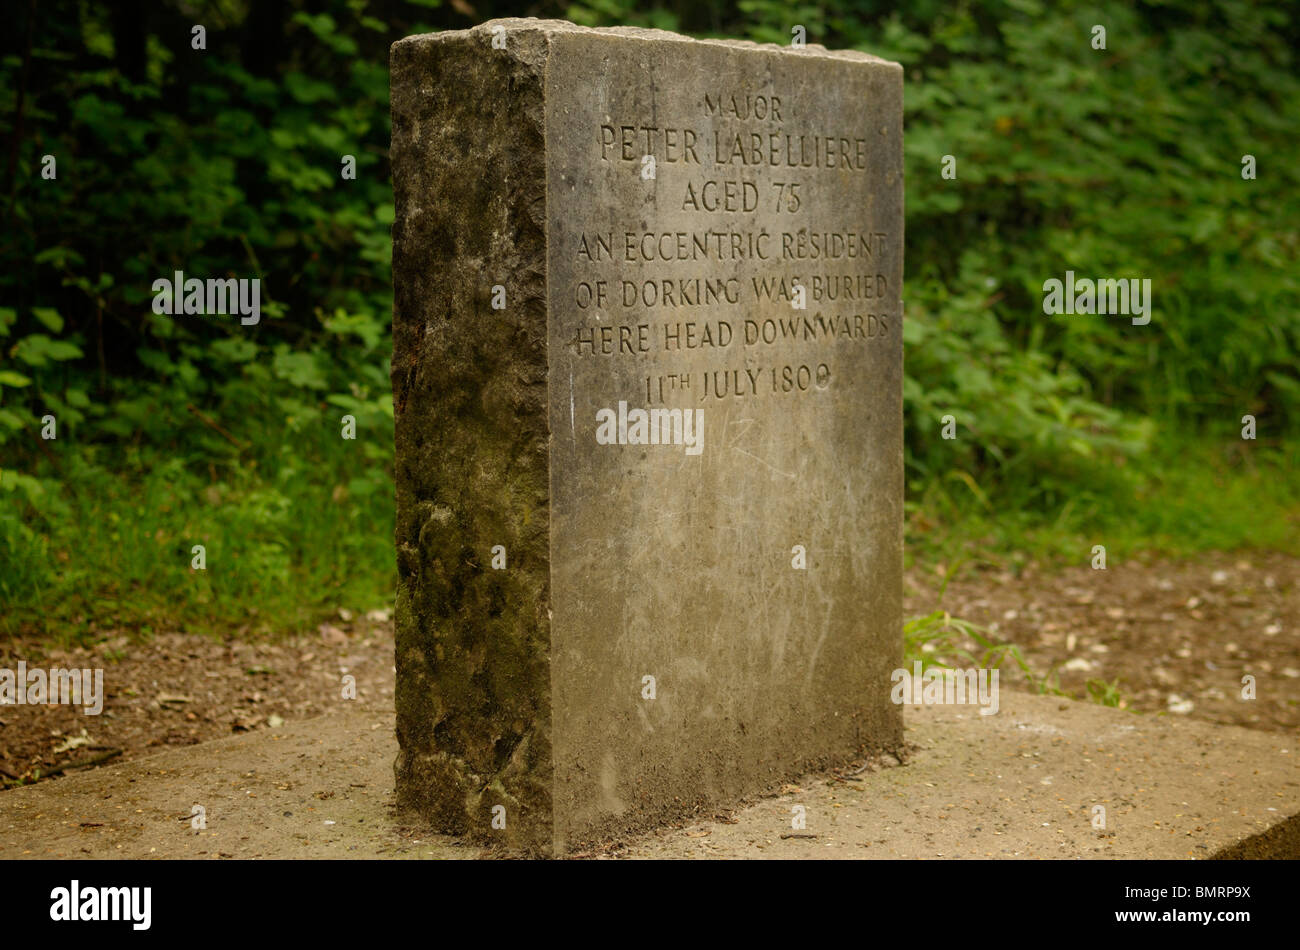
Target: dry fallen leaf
x,y
73,742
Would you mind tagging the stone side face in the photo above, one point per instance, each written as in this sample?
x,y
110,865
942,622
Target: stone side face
x,y
469,390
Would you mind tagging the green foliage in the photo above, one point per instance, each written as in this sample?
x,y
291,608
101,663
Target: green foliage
x,y
227,161
1106,694
937,639
175,431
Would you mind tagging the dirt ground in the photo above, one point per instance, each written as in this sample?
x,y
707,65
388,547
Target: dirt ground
x,y
1178,637
177,689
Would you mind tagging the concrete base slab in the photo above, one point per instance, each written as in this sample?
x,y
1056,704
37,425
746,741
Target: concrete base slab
x,y
1021,784
319,788
1024,784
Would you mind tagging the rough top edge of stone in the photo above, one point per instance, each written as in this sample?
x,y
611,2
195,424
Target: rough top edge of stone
x,y
533,24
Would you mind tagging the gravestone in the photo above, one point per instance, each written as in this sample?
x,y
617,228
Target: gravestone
x,y
647,377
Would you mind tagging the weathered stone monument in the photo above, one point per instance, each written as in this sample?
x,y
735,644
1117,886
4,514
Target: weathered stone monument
x,y
647,374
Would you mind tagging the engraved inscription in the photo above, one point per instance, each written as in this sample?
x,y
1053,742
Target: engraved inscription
x,y
811,284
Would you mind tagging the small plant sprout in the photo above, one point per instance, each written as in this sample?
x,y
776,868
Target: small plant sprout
x,y
942,640
1106,694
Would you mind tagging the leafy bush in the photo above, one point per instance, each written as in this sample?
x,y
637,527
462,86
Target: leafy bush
x,y
227,162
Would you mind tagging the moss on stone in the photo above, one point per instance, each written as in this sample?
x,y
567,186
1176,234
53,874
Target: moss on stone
x,y
469,386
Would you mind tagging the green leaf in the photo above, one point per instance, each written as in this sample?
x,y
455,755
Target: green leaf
x,y
49,317
299,369
38,349
235,349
